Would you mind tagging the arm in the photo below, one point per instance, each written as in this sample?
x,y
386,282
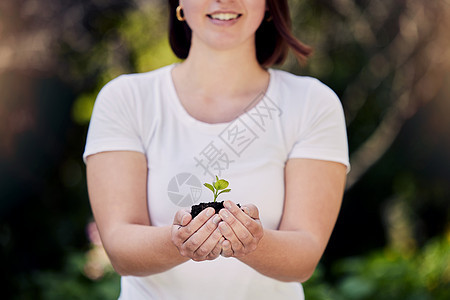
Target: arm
x,y
117,183
314,191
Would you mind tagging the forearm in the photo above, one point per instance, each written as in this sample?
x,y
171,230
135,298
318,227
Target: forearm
x,y
141,250
285,255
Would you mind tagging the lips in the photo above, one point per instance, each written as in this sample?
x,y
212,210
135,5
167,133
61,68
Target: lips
x,y
224,16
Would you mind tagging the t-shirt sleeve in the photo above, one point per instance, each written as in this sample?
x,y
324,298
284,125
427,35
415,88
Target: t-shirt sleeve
x,y
322,132
114,121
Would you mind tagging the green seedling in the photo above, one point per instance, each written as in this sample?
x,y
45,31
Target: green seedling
x,y
218,187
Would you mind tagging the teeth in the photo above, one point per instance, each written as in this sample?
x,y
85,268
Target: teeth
x,y
224,16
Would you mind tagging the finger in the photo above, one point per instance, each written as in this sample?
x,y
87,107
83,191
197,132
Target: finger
x,y
219,246
215,252
182,217
210,242
184,226
228,233
239,229
186,218
251,210
250,219
246,210
227,251
195,224
203,241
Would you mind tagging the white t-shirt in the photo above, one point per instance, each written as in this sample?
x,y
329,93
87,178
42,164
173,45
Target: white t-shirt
x,y
297,117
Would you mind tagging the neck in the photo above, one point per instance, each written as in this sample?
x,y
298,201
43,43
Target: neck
x,y
225,72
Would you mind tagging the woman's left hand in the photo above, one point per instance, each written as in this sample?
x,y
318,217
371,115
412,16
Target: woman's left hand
x,y
241,228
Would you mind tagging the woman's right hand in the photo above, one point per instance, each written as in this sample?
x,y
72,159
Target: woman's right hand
x,y
198,238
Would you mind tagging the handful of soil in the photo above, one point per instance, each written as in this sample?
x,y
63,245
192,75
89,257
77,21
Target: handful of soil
x,y
218,187
198,208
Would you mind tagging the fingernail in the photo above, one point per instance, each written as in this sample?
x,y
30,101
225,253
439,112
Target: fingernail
x,y
217,219
225,214
227,204
184,220
209,212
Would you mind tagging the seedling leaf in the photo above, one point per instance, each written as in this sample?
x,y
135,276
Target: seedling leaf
x,y
209,186
224,191
216,185
219,185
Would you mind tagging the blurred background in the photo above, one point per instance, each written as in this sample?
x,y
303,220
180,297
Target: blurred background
x,y
389,62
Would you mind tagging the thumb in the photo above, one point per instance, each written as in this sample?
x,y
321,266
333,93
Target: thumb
x,y
185,219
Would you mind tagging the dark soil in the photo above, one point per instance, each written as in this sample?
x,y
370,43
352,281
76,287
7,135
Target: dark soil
x,y
198,208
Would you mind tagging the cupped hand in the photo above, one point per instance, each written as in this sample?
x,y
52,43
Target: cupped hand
x,y
198,238
241,229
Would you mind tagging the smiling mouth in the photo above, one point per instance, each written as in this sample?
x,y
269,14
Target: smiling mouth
x,y
224,16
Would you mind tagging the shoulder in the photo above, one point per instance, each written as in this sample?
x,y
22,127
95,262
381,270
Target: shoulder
x,y
137,81
131,91
305,90
298,83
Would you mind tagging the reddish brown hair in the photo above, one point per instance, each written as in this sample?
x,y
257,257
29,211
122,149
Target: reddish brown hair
x,y
273,38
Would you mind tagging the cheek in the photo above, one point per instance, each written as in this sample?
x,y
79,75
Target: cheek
x,y
257,8
192,12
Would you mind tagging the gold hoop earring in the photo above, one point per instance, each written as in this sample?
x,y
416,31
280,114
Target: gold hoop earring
x,y
179,16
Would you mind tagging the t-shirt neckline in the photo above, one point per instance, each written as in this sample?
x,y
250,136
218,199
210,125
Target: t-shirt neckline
x,y
207,127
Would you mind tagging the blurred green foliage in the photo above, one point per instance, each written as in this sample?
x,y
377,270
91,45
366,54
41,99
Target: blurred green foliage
x,y
144,35
388,274
69,283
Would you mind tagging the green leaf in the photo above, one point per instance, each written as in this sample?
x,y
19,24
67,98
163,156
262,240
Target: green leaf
x,y
209,186
224,191
221,184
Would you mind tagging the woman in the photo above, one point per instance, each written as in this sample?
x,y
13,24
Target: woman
x,y
279,140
